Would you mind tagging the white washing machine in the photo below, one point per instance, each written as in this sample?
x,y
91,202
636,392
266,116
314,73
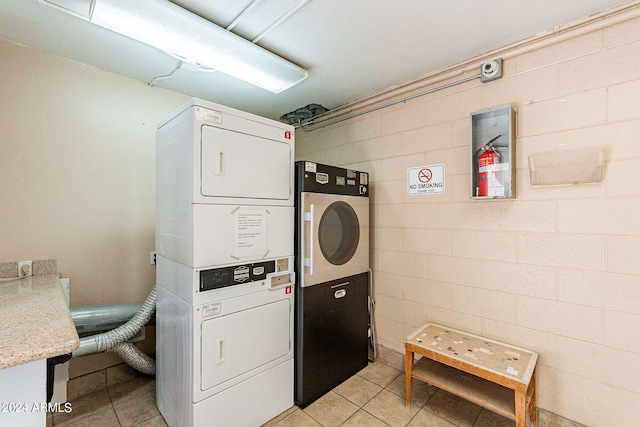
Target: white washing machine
x,y
225,270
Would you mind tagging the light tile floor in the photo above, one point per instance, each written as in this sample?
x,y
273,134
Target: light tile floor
x,y
371,398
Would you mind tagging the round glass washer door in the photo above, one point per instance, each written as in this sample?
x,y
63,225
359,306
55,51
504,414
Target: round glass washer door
x,y
339,233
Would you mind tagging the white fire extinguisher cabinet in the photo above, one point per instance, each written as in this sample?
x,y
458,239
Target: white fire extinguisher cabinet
x,y
493,158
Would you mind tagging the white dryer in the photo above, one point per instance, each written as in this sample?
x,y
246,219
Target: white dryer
x,y
225,273
224,184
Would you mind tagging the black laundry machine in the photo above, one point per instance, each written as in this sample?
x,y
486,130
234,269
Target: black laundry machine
x,y
332,277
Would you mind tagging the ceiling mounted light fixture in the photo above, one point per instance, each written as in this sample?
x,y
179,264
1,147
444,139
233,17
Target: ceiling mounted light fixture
x,y
191,38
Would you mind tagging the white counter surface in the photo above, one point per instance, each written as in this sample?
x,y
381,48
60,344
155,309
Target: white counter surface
x,y
35,322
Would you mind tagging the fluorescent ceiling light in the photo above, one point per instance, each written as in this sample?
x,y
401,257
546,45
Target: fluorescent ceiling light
x,y
172,29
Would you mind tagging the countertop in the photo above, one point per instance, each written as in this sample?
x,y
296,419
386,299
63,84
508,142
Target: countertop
x,y
35,322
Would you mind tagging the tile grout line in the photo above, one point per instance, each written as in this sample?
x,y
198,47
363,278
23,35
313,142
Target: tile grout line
x,y
361,408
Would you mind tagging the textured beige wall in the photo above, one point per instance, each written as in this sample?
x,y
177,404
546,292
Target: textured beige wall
x,y
77,177
556,270
77,172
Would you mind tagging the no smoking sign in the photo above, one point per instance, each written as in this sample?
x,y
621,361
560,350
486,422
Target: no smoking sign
x,y
425,180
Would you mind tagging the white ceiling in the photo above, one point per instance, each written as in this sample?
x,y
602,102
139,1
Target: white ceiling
x,y
351,48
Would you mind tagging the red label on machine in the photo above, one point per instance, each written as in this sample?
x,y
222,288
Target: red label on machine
x,y
288,290
287,134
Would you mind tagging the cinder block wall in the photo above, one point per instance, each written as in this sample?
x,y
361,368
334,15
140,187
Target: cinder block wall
x,y
556,270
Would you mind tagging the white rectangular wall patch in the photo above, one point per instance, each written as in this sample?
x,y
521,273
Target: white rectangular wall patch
x,y
425,180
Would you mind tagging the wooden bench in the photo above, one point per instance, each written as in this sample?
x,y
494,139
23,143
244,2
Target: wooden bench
x,y
492,374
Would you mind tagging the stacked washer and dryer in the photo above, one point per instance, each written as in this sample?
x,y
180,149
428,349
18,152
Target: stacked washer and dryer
x,y
230,313
225,267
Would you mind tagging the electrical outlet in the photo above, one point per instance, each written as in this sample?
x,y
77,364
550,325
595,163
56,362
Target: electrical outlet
x,y
25,268
152,257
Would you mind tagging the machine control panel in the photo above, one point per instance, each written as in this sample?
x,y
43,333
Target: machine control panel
x,y
273,273
222,277
319,178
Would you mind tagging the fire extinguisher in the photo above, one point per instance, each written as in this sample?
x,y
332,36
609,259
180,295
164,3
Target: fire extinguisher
x,y
486,157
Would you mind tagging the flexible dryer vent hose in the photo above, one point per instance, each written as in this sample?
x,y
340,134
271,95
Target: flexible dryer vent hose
x,y
134,357
115,339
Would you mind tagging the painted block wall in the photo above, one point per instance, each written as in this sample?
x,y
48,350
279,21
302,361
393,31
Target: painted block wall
x,y
556,270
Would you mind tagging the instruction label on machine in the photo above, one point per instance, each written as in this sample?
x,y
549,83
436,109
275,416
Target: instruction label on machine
x,y
425,180
250,233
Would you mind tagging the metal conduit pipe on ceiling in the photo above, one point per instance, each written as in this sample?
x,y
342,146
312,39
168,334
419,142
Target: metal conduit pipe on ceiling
x,y
559,34
273,25
242,14
279,21
388,104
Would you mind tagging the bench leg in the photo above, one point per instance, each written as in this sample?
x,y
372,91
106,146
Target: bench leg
x,y
532,404
521,409
408,361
